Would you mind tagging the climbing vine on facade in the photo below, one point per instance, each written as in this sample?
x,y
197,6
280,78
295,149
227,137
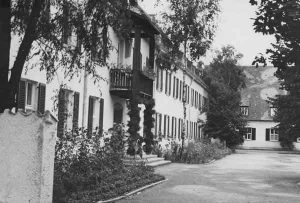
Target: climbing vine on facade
x,y
148,125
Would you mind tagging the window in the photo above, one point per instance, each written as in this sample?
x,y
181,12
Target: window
x,y
95,114
180,90
200,102
157,78
67,29
128,45
192,99
165,126
196,102
121,52
272,111
159,124
175,128
118,113
188,94
245,110
174,86
29,94
272,134
68,111
250,133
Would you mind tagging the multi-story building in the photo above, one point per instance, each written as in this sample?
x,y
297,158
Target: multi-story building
x,y
261,131
80,102
169,108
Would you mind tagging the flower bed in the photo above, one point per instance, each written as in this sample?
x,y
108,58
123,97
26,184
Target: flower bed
x,y
193,153
86,172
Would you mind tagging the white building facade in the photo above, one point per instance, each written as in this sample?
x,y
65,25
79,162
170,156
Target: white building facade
x,y
82,102
169,108
261,131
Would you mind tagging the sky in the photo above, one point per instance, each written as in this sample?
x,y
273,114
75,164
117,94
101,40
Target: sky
x,y
235,27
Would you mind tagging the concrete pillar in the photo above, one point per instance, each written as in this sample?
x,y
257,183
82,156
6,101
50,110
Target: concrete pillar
x,y
27,148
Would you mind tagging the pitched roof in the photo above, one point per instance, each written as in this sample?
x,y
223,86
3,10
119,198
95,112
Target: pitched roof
x,y
261,84
139,12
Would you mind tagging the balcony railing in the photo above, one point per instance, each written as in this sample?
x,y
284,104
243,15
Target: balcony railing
x,y
120,79
121,83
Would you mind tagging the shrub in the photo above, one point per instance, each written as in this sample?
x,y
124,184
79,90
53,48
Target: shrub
x,y
196,152
86,172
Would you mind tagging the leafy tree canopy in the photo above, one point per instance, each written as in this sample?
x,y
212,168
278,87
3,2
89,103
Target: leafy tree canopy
x,y
45,28
225,80
189,25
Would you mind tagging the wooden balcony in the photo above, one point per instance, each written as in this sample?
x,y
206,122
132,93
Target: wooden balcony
x,y
121,84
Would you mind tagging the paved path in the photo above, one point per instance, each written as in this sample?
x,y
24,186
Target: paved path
x,y
244,177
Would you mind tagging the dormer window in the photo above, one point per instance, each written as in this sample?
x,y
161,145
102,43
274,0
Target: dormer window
x,y
272,111
245,110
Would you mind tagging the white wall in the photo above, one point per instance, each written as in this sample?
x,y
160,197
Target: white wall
x,y
27,144
260,141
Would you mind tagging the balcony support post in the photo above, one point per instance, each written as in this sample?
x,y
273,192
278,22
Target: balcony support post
x,y
151,51
136,62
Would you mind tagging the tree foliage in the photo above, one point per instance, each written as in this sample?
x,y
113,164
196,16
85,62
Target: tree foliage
x,y
225,80
45,28
148,125
281,18
189,27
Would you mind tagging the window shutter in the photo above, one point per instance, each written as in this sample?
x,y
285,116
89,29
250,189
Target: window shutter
x,y
61,113
75,110
172,133
165,125
155,125
170,83
161,79
267,134
175,128
22,94
253,133
167,82
177,88
67,31
90,117
101,112
41,98
174,86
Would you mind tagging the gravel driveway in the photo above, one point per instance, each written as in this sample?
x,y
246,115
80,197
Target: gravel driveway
x,y
246,176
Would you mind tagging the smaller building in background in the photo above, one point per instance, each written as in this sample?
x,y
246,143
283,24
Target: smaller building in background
x,y
261,131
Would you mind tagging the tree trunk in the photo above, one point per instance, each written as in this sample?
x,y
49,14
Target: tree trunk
x,y
24,50
4,50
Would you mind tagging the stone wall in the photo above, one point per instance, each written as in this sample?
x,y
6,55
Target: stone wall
x,y
27,148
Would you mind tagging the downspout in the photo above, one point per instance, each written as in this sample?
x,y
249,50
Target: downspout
x,y
85,85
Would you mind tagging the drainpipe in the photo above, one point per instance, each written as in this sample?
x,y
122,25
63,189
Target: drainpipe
x,y
85,85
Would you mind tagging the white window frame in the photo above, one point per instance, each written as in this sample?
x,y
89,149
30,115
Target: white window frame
x,y
245,110
248,135
274,135
31,106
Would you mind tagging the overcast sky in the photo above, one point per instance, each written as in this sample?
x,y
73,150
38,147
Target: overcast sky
x,y
235,28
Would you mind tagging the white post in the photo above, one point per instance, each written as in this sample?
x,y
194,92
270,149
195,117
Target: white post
x,y
27,148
